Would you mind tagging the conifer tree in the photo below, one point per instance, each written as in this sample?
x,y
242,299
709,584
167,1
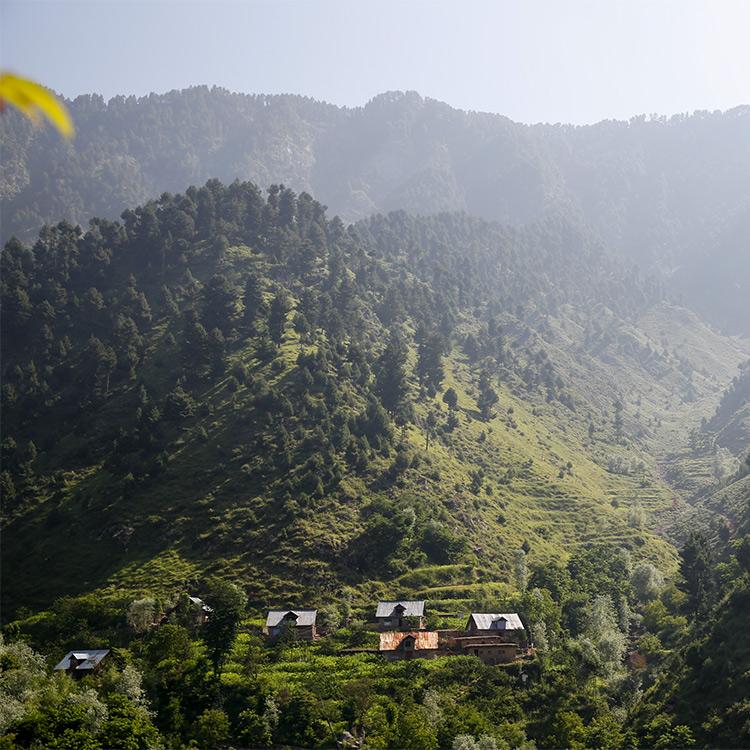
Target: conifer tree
x,y
696,568
487,396
391,384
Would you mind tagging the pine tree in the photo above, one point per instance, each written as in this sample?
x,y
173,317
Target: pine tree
x,y
277,317
487,396
450,398
391,385
253,302
430,369
696,568
101,363
219,304
195,348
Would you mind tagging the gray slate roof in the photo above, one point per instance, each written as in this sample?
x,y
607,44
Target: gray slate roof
x,y
305,617
88,658
411,608
487,621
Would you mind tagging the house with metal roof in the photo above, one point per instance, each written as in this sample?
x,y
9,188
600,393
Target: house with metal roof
x,y
399,615
83,661
301,622
484,623
411,644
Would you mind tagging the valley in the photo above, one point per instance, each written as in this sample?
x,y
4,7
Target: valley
x,y
204,483
234,394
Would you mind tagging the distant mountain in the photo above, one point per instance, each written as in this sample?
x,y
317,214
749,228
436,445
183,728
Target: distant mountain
x,y
670,195
231,381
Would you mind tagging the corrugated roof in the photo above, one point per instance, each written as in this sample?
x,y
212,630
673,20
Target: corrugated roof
x,y
411,609
87,658
423,640
305,617
486,621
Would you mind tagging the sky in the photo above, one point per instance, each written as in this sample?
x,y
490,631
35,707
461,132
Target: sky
x,y
576,61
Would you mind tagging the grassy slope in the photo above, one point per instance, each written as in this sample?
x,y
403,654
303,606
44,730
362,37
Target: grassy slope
x,y
206,513
210,511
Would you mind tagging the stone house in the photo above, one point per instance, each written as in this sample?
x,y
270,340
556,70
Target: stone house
x,y
400,615
508,625
302,622
490,649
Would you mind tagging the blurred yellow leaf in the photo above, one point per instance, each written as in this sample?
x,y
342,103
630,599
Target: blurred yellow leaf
x,y
33,100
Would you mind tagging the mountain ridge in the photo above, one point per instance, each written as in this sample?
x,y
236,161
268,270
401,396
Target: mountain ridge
x,y
652,189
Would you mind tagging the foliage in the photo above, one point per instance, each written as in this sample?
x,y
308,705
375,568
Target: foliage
x,y
228,392
227,602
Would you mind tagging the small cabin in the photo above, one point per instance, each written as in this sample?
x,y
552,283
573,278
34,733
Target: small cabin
x,y
301,622
189,610
508,625
400,615
82,662
411,644
490,649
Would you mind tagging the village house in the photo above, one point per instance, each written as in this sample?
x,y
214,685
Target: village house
x,y
490,649
188,609
423,644
400,615
411,644
82,662
301,622
507,625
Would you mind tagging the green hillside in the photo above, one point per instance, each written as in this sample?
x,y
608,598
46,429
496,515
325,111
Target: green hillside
x,y
227,383
705,682
229,393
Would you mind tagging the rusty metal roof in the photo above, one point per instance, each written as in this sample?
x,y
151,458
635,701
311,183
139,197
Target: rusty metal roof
x,y
423,640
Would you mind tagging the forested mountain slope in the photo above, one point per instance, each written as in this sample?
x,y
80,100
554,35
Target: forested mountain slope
x,y
232,382
706,682
669,194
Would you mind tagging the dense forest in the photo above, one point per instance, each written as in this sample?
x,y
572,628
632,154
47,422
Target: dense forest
x,y
229,393
671,195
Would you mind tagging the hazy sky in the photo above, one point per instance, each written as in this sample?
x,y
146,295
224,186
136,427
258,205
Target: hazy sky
x,y
551,60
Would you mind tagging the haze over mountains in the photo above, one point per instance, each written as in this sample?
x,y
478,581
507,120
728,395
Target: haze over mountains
x,y
518,346
671,195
